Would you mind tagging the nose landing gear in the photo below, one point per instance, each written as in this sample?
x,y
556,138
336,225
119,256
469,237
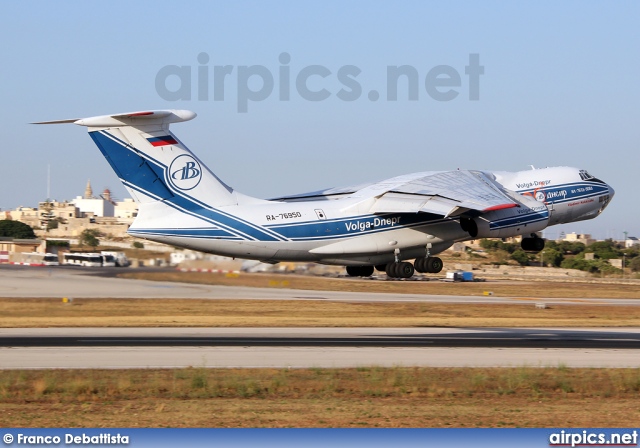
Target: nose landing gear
x,y
532,244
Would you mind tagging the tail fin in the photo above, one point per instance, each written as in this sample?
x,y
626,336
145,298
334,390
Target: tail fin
x,y
173,187
151,162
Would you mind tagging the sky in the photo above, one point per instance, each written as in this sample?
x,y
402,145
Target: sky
x,y
558,85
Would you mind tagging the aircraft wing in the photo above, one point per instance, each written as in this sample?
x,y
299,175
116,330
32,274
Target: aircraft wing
x,y
447,193
329,193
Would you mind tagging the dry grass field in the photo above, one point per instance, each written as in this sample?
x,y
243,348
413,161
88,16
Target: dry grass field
x,y
365,397
303,313
528,289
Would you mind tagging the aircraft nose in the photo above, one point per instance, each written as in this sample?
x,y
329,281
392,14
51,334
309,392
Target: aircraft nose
x,y
611,191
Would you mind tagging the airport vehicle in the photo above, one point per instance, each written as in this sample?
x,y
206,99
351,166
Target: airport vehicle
x,y
381,224
35,259
119,258
82,259
108,260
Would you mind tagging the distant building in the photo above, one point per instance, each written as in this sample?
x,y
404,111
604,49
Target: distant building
x,y
126,209
75,216
584,238
88,191
631,241
61,211
98,207
95,207
26,215
11,245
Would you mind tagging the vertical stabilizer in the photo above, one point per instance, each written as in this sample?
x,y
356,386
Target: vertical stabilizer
x,y
173,187
151,162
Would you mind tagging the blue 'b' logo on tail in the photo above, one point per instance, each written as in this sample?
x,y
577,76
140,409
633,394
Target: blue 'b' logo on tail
x,y
185,172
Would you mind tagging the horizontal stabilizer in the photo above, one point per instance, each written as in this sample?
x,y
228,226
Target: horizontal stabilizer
x,y
72,120
140,118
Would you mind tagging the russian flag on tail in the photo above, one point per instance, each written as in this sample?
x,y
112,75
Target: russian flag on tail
x,y
163,140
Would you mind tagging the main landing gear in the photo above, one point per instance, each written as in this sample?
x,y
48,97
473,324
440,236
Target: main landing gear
x,y
431,265
400,269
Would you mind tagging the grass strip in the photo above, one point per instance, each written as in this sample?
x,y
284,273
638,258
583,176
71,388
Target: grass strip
x,y
388,397
37,312
522,288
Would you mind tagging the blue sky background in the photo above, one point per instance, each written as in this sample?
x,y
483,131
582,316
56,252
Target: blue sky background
x,y
560,87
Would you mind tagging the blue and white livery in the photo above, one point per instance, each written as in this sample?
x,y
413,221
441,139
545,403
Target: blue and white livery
x,y
382,224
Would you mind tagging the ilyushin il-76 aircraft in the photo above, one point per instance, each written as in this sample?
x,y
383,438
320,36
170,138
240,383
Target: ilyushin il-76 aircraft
x,y
380,225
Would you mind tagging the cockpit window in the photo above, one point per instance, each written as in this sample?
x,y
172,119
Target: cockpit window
x,y
584,175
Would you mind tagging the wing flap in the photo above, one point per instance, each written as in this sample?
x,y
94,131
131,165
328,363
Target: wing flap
x,y
403,203
447,193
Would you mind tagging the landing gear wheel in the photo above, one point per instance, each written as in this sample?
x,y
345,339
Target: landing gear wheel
x,y
353,271
381,267
359,271
538,244
532,244
391,270
433,265
366,271
404,269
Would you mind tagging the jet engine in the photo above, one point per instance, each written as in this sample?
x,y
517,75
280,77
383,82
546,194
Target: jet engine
x,y
529,216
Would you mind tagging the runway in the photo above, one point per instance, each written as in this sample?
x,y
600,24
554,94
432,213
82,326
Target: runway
x,y
51,348
80,283
316,347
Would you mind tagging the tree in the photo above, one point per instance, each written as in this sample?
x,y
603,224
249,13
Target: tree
x,y
552,257
493,245
90,237
594,266
605,249
521,257
578,263
572,247
57,243
634,264
15,229
54,223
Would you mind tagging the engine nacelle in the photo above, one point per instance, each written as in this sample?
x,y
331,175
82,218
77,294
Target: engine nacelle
x,y
532,216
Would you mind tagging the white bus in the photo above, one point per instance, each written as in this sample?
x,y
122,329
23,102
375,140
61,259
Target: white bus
x,y
82,259
51,260
36,259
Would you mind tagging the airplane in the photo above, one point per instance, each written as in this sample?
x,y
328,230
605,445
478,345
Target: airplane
x,y
380,225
